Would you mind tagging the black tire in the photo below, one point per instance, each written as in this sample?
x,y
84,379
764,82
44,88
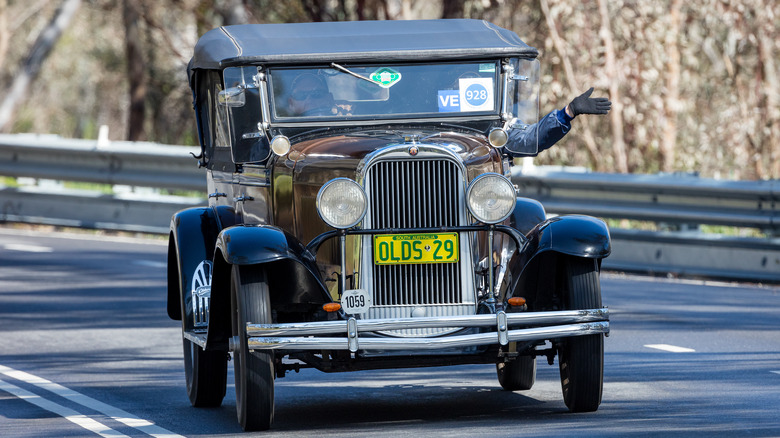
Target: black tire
x,y
581,358
254,371
205,372
518,375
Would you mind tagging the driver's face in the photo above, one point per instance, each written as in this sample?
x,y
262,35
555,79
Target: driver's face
x,y
309,95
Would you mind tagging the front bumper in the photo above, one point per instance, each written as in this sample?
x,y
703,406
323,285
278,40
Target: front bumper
x,y
345,334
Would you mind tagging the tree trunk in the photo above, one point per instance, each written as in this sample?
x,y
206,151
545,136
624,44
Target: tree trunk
x,y
5,34
560,47
32,65
136,71
672,98
612,73
452,9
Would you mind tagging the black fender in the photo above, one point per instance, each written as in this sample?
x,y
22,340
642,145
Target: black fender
x,y
527,214
562,236
575,235
192,240
296,288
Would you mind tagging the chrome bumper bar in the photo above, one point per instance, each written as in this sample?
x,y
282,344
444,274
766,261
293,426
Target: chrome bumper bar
x,y
310,335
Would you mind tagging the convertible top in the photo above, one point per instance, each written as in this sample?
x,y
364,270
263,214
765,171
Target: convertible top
x,y
343,41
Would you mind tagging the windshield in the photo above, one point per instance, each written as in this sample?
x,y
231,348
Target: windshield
x,y
384,90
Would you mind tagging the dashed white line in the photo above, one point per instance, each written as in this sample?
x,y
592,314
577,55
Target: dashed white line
x,y
150,263
117,414
670,348
67,413
26,248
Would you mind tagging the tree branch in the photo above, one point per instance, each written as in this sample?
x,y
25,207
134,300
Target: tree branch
x,y
40,50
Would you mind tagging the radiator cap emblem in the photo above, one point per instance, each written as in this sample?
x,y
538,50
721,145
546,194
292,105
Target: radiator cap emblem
x,y
413,150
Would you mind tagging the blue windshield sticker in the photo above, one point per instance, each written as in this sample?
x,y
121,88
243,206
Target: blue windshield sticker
x,y
476,94
449,101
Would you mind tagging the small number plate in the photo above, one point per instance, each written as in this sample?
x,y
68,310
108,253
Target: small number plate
x,y
355,301
396,249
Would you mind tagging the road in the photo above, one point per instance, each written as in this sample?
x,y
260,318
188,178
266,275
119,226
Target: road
x,y
86,349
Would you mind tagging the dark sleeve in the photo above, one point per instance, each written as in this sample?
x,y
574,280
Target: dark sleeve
x,y
539,136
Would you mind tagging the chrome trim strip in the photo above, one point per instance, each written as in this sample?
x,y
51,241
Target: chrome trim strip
x,y
460,341
198,339
373,325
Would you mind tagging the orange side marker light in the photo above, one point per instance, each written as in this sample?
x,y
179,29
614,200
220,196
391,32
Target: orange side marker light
x,y
331,307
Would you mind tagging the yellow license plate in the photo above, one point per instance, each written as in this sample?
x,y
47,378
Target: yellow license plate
x,y
396,249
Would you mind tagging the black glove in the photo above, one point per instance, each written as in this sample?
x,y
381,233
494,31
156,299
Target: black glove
x,y
584,104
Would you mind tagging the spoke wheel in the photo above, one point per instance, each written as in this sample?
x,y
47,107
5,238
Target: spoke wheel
x,y
581,358
205,372
518,375
254,371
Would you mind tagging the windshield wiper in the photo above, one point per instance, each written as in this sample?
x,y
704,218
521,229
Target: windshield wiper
x,y
351,73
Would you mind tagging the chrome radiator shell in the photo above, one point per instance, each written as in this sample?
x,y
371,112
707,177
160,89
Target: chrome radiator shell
x,y
426,190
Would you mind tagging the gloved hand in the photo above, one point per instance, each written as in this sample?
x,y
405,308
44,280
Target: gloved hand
x,y
584,104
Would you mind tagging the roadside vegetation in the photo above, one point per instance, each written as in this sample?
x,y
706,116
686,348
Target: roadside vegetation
x,y
694,84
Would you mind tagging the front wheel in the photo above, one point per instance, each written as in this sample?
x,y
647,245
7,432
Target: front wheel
x,y
518,375
254,370
581,358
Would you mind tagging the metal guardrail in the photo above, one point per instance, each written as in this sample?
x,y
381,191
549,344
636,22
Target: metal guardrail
x,y
677,202
136,164
672,199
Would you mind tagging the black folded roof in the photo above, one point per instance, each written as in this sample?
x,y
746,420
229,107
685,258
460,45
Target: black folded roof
x,y
343,41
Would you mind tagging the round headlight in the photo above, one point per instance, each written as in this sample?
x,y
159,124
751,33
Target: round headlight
x,y
341,203
491,198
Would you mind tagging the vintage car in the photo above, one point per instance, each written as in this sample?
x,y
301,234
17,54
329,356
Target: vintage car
x,y
360,214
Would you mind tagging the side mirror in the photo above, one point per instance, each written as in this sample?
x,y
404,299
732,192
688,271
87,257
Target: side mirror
x,y
233,97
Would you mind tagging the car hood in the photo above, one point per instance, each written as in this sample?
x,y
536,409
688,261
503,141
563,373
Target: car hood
x,y
348,150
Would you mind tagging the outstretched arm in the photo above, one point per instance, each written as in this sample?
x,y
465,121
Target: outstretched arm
x,y
552,127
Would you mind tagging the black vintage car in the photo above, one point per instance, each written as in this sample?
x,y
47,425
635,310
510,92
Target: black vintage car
x,y
361,216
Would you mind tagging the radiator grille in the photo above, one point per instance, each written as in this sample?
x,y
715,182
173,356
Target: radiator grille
x,y
415,194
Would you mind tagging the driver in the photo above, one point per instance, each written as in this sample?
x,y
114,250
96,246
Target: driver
x,y
310,96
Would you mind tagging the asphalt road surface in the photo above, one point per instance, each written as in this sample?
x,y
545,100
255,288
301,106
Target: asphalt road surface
x,y
86,349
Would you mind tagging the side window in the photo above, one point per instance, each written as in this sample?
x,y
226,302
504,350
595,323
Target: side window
x,y
219,116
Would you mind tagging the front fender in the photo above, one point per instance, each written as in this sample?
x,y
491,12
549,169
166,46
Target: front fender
x,y
574,235
292,274
258,244
294,283
527,214
534,266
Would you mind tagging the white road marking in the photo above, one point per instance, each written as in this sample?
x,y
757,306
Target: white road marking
x,y
150,263
117,414
68,414
670,348
26,248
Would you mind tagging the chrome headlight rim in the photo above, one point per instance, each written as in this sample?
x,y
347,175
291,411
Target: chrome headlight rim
x,y
322,200
487,178
280,145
